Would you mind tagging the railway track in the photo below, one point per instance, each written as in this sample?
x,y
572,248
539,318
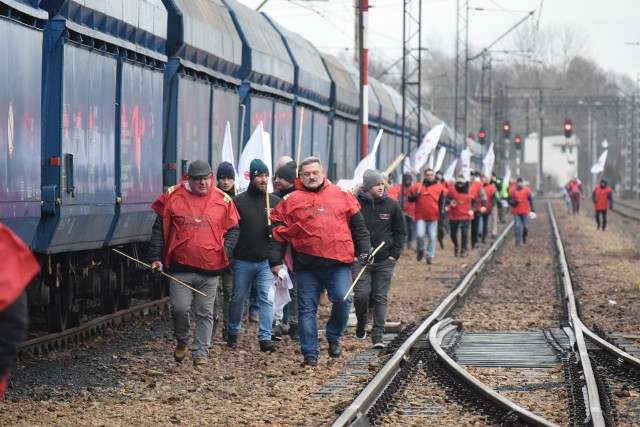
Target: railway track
x,y
558,375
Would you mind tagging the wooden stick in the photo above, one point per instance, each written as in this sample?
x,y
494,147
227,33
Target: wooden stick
x,y
299,140
362,271
268,209
161,272
395,164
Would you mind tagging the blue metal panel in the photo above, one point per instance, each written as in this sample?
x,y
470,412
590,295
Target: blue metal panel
x,y
139,153
374,103
29,7
311,78
138,25
388,114
20,127
225,110
202,33
344,93
265,59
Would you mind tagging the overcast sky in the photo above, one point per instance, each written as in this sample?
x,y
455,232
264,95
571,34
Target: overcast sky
x,y
329,25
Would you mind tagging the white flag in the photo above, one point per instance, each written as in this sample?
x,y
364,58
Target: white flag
x,y
448,174
256,148
507,174
428,144
599,165
487,163
227,150
368,162
441,153
465,163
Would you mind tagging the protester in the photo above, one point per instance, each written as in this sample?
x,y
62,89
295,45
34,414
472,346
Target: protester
x,y
325,229
18,268
396,193
443,222
193,237
602,201
489,221
286,320
461,206
385,221
251,257
521,201
476,190
574,189
429,198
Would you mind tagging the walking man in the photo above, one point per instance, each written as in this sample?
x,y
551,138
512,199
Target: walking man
x,y
408,208
193,237
251,257
602,201
428,197
521,201
325,229
461,206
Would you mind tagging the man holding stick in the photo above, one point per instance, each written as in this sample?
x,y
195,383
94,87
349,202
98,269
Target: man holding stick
x,y
194,236
385,221
325,229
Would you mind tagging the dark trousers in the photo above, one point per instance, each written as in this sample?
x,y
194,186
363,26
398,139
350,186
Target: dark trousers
x,y
474,229
463,225
602,214
410,229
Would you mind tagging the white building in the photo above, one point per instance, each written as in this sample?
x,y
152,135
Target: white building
x,y
560,159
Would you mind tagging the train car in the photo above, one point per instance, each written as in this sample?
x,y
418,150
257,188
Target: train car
x,y
21,25
101,148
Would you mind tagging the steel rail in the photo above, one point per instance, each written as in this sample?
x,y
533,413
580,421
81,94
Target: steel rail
x,y
478,386
355,413
592,395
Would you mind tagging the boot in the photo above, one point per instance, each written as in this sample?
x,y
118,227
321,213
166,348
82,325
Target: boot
x,y
420,255
456,251
232,341
294,332
268,345
463,253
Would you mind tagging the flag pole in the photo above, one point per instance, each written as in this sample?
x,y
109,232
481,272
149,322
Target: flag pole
x,y
299,140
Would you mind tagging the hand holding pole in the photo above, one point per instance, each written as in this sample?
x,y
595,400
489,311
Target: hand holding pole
x,y
362,271
161,272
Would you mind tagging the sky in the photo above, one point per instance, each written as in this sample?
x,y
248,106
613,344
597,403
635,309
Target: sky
x,y
609,26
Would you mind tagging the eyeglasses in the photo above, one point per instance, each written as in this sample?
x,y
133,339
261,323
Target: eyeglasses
x,y
201,178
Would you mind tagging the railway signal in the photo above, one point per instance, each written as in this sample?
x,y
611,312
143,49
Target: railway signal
x,y
568,128
506,129
518,142
482,136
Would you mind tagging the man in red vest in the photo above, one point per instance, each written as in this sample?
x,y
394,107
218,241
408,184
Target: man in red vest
x,y
194,236
574,189
428,197
18,268
602,201
408,208
521,201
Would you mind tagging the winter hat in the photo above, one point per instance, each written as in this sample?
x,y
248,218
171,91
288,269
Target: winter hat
x,y
287,171
225,170
461,179
370,179
198,168
257,167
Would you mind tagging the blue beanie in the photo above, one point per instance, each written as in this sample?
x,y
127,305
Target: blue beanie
x,y
257,167
225,170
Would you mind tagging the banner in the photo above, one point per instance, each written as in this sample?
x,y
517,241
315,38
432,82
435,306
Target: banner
x,y
487,163
441,153
465,163
227,150
258,147
448,174
599,165
428,144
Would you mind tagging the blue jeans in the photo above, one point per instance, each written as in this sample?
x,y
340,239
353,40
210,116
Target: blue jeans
x,y
337,281
431,229
181,298
410,228
521,221
246,273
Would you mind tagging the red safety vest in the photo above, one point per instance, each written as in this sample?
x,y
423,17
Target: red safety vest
x,y
394,192
427,208
194,226
602,198
317,223
463,204
523,207
19,266
489,190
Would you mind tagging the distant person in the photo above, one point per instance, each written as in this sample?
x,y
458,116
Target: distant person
x,y
521,201
408,208
428,196
443,222
326,231
476,189
489,219
602,201
19,266
574,189
460,203
194,235
385,222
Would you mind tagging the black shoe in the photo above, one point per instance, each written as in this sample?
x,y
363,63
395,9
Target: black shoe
x,y
276,333
361,333
294,332
310,361
456,251
268,345
335,349
429,260
420,255
232,341
441,244
377,341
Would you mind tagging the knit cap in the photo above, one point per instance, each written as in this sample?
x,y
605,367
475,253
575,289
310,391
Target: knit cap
x,y
461,179
370,179
287,171
257,167
198,168
225,170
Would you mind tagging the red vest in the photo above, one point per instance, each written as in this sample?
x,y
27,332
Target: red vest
x,y
602,198
489,190
523,207
19,266
317,223
194,226
462,206
427,207
395,192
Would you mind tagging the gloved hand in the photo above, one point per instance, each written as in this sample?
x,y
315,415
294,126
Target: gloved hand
x,y
365,258
156,267
413,197
532,215
268,231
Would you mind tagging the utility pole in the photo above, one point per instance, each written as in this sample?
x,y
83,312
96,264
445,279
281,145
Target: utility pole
x,y
363,48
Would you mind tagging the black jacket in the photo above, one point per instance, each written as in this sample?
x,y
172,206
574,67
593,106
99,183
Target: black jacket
x,y
253,244
385,221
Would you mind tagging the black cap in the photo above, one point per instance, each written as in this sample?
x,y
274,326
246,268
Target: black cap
x,y
225,170
287,171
